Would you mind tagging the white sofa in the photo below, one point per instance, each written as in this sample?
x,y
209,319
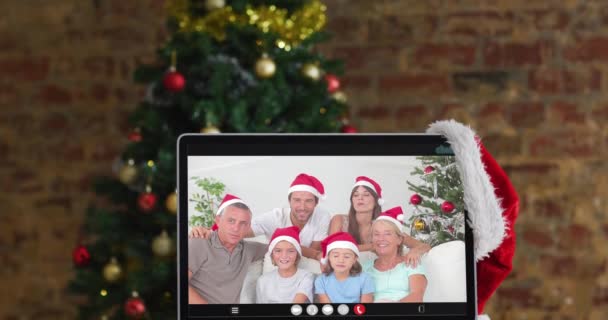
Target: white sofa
x,y
444,265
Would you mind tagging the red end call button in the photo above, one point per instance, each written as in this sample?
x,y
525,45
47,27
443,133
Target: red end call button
x,y
359,309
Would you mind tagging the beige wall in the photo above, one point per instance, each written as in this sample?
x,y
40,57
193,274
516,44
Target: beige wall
x,y
529,76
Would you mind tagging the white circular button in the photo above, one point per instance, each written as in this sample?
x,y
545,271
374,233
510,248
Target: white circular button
x,y
343,309
296,310
312,310
327,309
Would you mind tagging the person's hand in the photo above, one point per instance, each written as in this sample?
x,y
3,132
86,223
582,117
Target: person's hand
x,y
412,258
200,232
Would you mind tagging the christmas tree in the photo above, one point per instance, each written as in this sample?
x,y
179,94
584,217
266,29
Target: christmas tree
x,y
438,201
229,66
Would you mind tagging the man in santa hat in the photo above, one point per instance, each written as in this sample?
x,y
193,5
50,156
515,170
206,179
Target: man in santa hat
x,y
218,264
303,196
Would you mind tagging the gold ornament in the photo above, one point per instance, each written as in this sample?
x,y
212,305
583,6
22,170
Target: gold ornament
x,y
340,96
292,29
312,71
171,203
128,172
419,225
210,129
265,67
211,5
162,245
112,271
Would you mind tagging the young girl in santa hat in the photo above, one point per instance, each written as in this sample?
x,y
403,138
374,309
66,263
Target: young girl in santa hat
x,y
286,284
343,281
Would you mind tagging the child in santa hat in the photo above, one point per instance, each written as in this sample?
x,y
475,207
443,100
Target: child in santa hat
x,y
287,283
343,281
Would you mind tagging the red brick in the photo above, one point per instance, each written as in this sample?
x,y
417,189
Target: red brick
x,y
99,66
501,145
63,201
566,113
26,69
393,28
349,29
521,297
588,50
377,112
599,113
53,94
576,143
8,95
479,23
537,238
431,83
513,54
439,54
100,93
367,56
573,236
600,296
558,265
564,81
492,110
54,123
549,208
551,19
527,114
415,117
355,82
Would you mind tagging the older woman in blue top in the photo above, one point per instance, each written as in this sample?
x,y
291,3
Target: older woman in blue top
x,y
394,280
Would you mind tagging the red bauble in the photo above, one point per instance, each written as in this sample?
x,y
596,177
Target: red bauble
x,y
349,129
429,169
333,83
174,81
147,201
415,199
447,207
135,307
81,256
134,136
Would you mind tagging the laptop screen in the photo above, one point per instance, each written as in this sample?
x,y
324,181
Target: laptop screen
x,y
279,226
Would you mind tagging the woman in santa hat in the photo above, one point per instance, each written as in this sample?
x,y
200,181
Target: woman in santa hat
x,y
394,280
365,206
343,281
287,283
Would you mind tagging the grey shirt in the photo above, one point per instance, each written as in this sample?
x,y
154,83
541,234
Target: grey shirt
x,y
217,275
272,288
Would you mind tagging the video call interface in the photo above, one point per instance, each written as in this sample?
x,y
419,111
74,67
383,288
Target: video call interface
x,y
301,236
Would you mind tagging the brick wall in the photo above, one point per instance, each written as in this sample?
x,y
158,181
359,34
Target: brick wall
x,y
529,76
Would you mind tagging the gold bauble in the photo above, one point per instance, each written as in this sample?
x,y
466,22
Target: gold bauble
x,y
112,271
162,245
419,225
340,96
265,67
312,71
210,130
171,203
211,5
128,173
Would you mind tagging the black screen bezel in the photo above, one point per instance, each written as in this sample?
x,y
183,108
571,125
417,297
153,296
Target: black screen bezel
x,y
308,145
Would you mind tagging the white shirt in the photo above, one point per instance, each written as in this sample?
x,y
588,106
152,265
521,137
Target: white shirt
x,y
314,230
272,288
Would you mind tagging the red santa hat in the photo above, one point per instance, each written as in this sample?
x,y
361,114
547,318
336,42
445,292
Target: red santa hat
x,y
305,182
368,182
228,200
338,240
492,204
395,216
289,234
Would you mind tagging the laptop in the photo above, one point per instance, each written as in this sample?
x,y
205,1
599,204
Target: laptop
x,y
417,175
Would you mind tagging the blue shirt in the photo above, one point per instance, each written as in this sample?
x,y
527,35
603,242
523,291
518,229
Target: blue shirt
x,y
346,291
394,284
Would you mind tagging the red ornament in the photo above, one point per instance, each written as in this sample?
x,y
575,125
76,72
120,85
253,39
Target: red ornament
x,y
135,136
451,229
81,256
349,129
174,81
147,201
415,199
135,307
429,169
333,83
447,207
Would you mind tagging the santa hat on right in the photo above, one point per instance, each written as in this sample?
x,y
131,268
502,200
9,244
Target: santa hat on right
x,y
491,201
370,183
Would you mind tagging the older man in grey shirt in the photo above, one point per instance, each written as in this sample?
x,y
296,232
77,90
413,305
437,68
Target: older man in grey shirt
x,y
217,266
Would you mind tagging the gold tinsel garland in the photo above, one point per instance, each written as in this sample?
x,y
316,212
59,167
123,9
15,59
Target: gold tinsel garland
x,y
291,29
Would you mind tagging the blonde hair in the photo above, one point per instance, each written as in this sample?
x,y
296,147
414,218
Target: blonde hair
x,y
395,229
